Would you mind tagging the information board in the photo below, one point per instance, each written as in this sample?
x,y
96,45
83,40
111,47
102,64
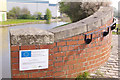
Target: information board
x,y
33,59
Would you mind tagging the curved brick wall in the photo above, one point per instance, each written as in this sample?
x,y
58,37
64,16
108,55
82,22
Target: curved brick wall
x,y
69,55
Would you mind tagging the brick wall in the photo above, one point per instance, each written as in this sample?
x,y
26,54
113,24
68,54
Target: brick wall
x,y
68,56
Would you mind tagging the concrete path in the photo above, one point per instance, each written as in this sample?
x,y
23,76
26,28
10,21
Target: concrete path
x,y
111,69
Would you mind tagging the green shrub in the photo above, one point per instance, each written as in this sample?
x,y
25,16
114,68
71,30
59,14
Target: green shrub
x,y
48,16
84,76
24,16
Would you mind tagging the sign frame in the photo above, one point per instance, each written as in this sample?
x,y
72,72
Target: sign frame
x,y
33,59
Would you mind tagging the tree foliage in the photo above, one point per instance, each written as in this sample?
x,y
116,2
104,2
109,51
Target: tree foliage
x,y
17,13
38,15
14,13
48,15
79,10
25,11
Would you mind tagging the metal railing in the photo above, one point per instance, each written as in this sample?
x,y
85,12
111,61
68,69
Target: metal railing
x,y
105,33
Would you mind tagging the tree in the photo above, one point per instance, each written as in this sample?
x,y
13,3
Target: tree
x,y
80,10
48,15
14,13
38,15
25,11
25,14
11,15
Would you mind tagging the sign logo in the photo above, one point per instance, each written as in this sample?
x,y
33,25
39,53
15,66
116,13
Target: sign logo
x,y
25,54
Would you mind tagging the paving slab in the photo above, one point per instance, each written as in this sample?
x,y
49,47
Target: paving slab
x,y
111,69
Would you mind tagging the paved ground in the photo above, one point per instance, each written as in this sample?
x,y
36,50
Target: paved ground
x,y
110,69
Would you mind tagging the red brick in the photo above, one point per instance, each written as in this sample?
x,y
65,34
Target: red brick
x,y
59,59
71,67
64,48
58,69
31,71
59,54
80,51
88,67
50,73
65,67
50,68
60,49
72,42
78,65
46,46
63,43
51,57
65,58
86,63
28,47
83,68
71,71
59,73
75,38
14,48
71,57
90,58
38,75
89,50
14,54
15,66
15,72
70,47
50,62
81,60
68,53
55,49
21,76
14,60
51,51
71,62
81,42
59,64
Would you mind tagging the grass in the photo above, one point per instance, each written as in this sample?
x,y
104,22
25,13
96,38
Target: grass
x,y
87,76
17,21
63,24
84,76
115,33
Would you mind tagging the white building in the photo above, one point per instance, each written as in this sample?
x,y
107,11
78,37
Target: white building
x,y
36,7
3,10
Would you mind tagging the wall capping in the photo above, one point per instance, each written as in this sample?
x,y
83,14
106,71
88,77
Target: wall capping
x,y
30,36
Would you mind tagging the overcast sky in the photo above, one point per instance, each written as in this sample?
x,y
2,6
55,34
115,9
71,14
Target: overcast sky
x,y
115,3
50,1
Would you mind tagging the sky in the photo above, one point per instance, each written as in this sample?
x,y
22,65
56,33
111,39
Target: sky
x,y
115,3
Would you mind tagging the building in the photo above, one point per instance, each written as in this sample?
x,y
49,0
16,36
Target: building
x,y
33,7
3,10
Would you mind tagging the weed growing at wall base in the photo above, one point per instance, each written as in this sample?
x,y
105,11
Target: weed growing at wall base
x,y
84,76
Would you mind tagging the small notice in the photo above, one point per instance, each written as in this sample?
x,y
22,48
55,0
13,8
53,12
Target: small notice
x,y
33,59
